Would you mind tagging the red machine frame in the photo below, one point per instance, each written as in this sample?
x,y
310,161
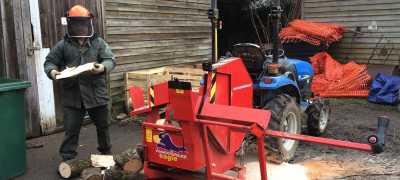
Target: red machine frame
x,y
205,129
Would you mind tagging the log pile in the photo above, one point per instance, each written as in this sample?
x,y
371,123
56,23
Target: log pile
x,y
128,165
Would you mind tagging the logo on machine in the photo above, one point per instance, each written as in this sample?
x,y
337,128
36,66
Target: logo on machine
x,y
167,149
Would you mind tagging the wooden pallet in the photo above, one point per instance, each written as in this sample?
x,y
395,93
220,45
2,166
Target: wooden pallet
x,y
192,73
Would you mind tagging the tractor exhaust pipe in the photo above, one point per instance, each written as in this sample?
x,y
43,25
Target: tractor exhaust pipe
x,y
213,15
275,15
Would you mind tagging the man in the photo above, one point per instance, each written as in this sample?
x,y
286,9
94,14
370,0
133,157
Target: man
x,y
87,91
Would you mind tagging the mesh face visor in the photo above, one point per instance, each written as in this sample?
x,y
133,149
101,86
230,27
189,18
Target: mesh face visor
x,y
80,27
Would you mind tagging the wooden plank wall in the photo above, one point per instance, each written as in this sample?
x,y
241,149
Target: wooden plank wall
x,y
380,46
153,33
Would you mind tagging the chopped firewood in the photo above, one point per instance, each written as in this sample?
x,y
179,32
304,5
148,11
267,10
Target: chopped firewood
x,y
129,160
121,116
102,160
133,166
274,158
125,156
73,168
92,174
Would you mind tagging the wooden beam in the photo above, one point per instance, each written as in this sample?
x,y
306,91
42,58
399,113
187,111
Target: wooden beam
x,y
44,84
11,65
2,57
26,63
101,17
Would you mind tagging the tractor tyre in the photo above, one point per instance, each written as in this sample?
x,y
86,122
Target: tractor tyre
x,y
318,117
285,116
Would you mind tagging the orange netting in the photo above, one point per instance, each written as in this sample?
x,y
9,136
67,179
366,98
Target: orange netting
x,y
312,32
333,79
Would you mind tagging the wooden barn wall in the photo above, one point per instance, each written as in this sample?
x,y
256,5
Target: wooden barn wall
x,y
379,46
52,31
152,33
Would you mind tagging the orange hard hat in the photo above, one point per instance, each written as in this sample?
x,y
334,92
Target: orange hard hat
x,y
79,11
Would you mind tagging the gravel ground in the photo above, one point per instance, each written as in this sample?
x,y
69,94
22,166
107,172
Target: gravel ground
x,y
355,120
352,120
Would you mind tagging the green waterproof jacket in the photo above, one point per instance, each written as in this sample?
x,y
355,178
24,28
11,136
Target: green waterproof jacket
x,y
85,89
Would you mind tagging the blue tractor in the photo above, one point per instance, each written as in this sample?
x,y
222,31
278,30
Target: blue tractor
x,y
283,86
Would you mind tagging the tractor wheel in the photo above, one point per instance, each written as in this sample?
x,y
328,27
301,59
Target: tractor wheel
x,y
285,116
318,117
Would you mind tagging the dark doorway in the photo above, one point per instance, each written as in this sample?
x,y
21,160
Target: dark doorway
x,y
247,21
236,25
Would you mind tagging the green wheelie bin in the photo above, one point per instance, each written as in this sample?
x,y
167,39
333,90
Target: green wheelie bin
x,y
12,128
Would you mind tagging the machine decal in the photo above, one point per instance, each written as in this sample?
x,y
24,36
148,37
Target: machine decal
x,y
179,91
167,149
213,87
151,93
149,135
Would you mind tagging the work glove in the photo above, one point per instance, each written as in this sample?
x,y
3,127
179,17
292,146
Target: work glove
x,y
54,73
98,68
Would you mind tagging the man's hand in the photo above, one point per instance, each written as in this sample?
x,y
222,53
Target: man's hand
x,y
98,68
54,73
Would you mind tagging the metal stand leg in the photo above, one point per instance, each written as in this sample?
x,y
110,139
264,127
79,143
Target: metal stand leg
x,y
261,157
206,154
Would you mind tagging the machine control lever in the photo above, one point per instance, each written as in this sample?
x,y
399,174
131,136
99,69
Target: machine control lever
x,y
377,140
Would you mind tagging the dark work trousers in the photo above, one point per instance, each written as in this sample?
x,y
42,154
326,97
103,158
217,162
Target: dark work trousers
x,y
73,118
